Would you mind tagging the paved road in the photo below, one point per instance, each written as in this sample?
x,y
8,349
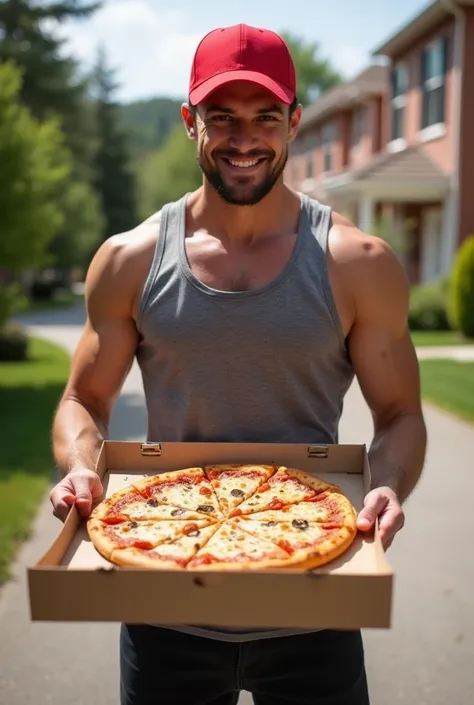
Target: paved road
x,y
426,658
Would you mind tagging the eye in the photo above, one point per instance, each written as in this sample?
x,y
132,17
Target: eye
x,y
220,118
267,118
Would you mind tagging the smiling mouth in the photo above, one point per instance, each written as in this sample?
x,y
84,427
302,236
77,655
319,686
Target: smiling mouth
x,y
244,163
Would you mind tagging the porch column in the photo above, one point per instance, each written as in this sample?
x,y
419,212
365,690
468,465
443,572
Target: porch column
x,y
366,214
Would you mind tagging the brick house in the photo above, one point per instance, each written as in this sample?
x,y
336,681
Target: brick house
x,y
393,149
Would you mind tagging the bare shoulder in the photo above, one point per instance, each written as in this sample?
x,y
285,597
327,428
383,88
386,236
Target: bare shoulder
x,y
119,268
370,272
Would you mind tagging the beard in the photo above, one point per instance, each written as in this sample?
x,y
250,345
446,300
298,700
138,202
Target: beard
x,y
243,193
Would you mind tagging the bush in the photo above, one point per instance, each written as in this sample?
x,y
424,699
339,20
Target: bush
x,y
42,291
13,343
461,294
428,307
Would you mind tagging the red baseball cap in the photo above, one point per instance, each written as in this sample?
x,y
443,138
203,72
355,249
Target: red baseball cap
x,y
242,53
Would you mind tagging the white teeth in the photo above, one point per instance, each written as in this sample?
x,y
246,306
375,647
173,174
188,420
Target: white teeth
x,y
244,164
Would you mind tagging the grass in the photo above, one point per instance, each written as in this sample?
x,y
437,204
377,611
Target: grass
x,y
450,385
29,393
437,338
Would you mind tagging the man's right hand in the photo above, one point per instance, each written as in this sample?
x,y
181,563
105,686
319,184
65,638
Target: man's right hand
x,y
79,487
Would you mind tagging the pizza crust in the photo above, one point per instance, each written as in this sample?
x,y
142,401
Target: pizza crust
x,y
325,552
99,538
314,482
108,504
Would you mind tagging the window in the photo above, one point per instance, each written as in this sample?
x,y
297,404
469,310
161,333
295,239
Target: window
x,y
358,125
433,82
328,138
399,91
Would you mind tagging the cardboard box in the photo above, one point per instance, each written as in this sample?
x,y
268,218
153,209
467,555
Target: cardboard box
x,y
72,582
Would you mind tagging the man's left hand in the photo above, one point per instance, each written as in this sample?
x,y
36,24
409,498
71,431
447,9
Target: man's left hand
x,y
382,503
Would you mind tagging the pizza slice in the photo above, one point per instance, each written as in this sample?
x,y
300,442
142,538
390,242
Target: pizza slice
x,y
327,507
173,554
130,504
231,548
235,483
112,533
189,489
286,486
309,544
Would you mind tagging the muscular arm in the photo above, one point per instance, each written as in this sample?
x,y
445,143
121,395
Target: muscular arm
x,y
387,369
100,364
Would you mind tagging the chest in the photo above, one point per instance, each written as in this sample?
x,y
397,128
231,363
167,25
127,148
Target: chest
x,y
238,268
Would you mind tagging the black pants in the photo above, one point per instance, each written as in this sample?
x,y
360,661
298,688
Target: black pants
x,y
166,667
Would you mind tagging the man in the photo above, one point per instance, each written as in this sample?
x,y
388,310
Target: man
x,y
249,308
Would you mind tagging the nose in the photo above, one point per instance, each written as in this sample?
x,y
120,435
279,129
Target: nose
x,y
242,136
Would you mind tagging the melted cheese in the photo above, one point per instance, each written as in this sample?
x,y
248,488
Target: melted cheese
x,y
230,543
199,497
141,509
185,547
311,511
280,488
234,484
306,534
151,531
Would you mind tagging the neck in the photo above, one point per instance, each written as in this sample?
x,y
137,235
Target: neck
x,y
277,212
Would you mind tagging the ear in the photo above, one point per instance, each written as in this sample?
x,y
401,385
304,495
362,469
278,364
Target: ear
x,y
189,119
294,122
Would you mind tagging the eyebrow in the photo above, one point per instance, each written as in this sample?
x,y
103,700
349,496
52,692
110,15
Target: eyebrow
x,y
228,111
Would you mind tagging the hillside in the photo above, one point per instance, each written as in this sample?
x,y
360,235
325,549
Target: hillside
x,y
149,122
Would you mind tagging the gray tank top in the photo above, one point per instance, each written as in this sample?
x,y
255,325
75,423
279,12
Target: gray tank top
x,y
207,357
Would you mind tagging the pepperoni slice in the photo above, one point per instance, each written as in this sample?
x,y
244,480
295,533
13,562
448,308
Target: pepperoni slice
x,y
114,519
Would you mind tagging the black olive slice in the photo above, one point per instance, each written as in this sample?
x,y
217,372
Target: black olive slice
x,y
152,502
300,523
237,493
205,508
270,523
196,532
133,525
177,512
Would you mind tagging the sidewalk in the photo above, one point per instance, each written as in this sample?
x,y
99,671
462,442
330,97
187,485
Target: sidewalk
x,y
425,659
463,353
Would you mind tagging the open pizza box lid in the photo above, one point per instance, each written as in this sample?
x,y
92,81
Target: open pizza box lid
x,y
72,582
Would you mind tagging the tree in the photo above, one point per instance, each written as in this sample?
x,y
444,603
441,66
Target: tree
x,y
169,173
50,87
314,74
462,289
34,161
49,77
114,180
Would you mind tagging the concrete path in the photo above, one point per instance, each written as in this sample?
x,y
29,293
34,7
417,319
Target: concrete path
x,y
463,353
425,659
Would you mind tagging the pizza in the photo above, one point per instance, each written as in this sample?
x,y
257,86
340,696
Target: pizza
x,y
224,517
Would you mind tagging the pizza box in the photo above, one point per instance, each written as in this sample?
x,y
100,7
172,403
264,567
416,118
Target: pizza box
x,y
72,582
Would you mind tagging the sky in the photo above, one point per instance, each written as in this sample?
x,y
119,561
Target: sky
x,y
151,43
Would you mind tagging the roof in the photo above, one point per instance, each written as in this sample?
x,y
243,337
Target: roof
x,y
412,161
372,81
411,164
419,25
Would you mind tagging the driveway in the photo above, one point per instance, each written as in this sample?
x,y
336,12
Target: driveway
x,y
425,659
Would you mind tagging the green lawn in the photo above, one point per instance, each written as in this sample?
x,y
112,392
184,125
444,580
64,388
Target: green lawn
x,y
435,338
29,393
450,385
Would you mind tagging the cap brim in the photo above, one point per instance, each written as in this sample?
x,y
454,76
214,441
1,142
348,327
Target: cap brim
x,y
279,90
